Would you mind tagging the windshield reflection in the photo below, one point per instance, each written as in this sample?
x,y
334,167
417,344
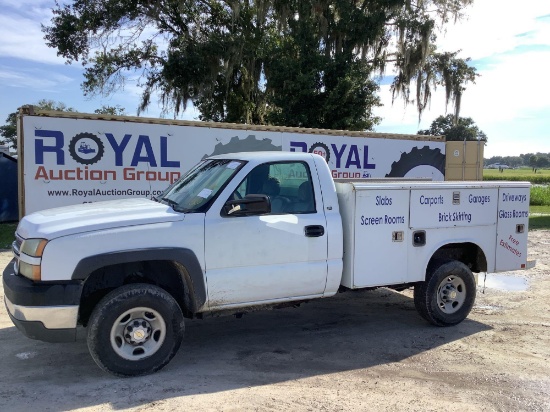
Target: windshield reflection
x,y
194,191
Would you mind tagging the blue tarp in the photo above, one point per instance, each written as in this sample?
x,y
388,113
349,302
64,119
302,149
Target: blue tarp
x,y
9,205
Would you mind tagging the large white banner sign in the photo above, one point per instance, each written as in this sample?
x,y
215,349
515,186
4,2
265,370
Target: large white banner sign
x,y
68,161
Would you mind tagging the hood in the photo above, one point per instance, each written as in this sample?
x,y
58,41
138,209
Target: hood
x,y
63,221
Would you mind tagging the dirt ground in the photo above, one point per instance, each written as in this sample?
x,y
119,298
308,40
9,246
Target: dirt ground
x,y
365,350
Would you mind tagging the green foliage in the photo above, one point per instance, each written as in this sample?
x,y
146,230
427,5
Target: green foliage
x,y
539,210
511,161
542,177
291,62
463,129
534,161
8,132
111,110
319,91
436,69
314,76
540,196
52,105
7,234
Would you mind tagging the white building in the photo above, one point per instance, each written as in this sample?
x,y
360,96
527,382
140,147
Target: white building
x,y
4,149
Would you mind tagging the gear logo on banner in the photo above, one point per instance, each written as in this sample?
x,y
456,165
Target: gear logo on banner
x,y
320,149
86,148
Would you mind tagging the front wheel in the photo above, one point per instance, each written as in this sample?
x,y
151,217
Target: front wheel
x,y
447,296
135,330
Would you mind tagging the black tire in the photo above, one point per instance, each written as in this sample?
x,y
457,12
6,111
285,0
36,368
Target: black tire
x,y
418,157
156,324
448,294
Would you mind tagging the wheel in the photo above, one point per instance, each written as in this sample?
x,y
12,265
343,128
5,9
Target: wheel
x,y
135,330
418,157
447,296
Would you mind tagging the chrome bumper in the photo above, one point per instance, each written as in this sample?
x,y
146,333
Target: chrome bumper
x,y
52,317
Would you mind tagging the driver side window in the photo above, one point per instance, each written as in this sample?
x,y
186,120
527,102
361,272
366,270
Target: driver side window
x,y
288,186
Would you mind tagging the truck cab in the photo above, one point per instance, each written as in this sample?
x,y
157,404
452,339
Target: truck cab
x,y
294,251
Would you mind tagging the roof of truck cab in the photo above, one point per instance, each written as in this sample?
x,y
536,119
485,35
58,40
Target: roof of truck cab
x,y
262,157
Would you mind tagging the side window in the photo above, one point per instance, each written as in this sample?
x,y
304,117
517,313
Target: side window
x,y
288,186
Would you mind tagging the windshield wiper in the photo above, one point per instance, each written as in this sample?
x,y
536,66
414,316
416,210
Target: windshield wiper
x,y
175,205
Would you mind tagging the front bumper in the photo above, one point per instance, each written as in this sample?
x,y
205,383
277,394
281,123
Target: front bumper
x,y
43,311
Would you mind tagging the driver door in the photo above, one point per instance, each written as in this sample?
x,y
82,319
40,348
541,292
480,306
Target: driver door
x,y
277,256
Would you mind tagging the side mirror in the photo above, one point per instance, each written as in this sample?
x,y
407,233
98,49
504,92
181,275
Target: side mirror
x,y
250,205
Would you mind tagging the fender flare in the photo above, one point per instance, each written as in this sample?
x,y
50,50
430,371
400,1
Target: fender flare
x,y
186,261
480,259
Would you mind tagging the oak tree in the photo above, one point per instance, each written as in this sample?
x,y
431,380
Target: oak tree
x,y
463,129
312,63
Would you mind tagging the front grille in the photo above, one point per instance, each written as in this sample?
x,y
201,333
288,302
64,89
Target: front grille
x,y
16,245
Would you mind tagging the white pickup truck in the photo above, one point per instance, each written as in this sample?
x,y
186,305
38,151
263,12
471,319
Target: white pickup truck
x,y
252,230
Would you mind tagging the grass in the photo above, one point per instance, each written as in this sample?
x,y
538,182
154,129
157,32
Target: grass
x,y
541,210
539,222
540,217
540,196
542,177
7,236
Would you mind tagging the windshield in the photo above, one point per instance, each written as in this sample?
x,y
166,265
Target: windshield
x,y
200,185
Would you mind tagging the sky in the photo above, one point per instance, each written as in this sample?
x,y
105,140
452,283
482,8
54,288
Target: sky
x,y
509,46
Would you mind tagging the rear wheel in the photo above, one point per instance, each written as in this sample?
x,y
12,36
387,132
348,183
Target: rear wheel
x,y
135,330
448,294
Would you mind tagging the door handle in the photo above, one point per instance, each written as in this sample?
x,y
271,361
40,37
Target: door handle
x,y
314,231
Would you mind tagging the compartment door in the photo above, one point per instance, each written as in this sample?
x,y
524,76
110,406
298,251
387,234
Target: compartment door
x,y
381,237
513,220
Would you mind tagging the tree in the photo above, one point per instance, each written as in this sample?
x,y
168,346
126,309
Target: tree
x,y
533,161
440,69
52,105
294,62
464,129
111,110
8,132
512,161
314,78
542,162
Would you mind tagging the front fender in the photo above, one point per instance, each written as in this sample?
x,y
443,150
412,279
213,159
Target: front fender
x,y
185,259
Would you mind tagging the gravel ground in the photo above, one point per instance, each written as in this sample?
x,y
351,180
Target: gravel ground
x,y
366,350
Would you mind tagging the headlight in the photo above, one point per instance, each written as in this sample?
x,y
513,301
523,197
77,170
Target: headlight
x,y
31,272
33,247
30,258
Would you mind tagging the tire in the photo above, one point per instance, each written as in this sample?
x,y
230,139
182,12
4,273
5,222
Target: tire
x,y
151,314
418,157
448,294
